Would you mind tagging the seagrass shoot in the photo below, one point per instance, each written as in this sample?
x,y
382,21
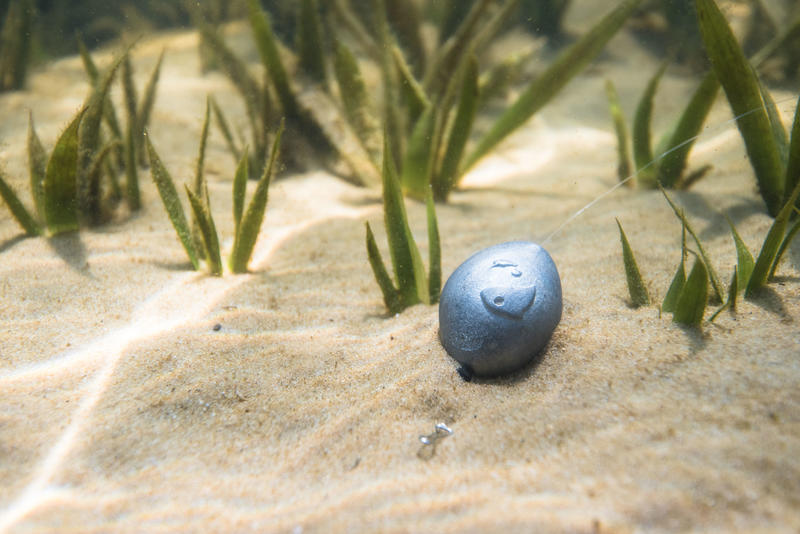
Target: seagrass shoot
x,y
76,184
200,239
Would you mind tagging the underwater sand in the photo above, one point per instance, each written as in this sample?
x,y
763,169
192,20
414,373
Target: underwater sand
x,y
122,408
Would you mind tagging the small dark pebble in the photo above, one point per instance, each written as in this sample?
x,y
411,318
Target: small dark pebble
x,y
465,373
217,327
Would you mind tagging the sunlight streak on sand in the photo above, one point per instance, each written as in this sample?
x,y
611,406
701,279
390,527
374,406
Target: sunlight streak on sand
x,y
188,298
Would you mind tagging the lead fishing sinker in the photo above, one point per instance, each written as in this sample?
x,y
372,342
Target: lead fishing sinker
x,y
499,308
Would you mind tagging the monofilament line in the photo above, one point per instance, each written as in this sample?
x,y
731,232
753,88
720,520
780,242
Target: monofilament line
x,y
619,184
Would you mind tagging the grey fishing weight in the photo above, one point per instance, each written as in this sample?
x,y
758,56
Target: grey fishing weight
x,y
500,307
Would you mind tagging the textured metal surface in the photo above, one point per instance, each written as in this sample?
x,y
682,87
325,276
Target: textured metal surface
x,y
499,308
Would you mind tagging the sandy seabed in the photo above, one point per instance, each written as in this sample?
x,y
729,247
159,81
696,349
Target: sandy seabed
x,y
125,408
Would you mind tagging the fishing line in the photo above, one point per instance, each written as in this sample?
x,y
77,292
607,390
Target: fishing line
x,y
707,131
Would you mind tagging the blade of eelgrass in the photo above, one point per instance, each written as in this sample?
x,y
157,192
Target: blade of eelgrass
x,y
413,93
495,24
449,55
407,25
775,122
549,83
793,159
97,106
131,170
347,18
199,183
331,131
222,123
18,210
741,86
744,259
109,113
238,73
447,176
675,287
434,251
309,42
88,63
394,127
772,243
94,175
132,195
270,56
712,274
15,43
199,177
172,203
60,187
787,240
416,170
733,291
37,163
391,296
250,225
128,88
678,281
636,287
205,223
620,128
239,190
676,146
147,104
693,299
405,255
495,83
642,144
355,99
